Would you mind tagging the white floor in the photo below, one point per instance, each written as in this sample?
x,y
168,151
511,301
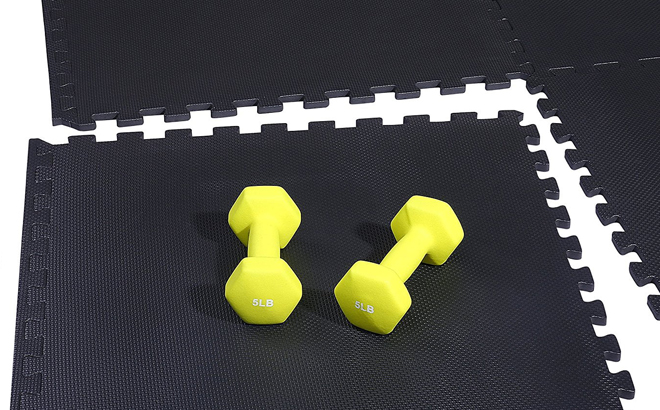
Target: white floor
x,y
25,113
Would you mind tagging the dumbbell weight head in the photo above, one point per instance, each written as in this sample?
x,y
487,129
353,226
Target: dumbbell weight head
x,y
264,202
263,289
374,297
438,219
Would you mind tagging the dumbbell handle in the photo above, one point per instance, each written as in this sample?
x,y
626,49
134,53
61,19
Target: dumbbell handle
x,y
409,252
264,239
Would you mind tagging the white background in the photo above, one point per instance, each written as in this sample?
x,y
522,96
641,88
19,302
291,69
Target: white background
x,y
25,113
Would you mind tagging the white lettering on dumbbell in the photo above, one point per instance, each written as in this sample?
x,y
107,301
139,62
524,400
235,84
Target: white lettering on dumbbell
x,y
359,305
260,303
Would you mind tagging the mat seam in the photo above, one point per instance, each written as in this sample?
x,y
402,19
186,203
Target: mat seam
x,y
27,388
607,345
591,187
507,31
59,65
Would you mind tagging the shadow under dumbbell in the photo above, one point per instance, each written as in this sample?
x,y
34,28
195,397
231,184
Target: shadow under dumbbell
x,y
323,303
213,226
380,238
209,299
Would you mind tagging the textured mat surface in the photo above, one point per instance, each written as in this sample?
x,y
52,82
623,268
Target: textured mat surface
x,y
579,35
127,249
613,120
133,58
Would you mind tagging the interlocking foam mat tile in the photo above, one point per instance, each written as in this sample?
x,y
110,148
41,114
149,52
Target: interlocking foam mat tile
x,y
579,35
127,59
127,249
612,118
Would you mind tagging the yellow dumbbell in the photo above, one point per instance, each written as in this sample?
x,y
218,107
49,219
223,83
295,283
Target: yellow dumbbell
x,y
263,290
374,297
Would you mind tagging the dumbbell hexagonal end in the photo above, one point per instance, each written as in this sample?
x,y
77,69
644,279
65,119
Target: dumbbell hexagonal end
x,y
372,297
439,220
263,291
270,202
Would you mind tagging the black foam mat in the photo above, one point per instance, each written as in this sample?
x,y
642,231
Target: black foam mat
x,y
613,120
567,35
126,251
126,59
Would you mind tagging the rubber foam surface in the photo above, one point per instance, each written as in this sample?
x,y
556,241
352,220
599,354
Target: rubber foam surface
x,y
612,118
126,59
126,251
